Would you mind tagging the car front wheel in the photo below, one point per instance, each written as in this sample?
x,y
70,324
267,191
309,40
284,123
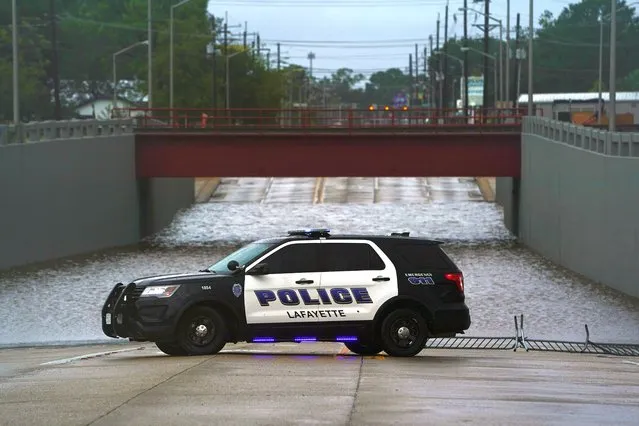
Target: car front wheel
x,y
404,333
201,331
171,348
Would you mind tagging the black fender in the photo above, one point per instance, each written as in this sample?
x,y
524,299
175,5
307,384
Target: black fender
x,y
400,302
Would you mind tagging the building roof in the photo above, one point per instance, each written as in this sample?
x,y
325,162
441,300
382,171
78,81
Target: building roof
x,y
548,98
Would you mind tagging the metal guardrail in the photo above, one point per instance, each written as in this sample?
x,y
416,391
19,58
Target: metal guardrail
x,y
620,144
520,341
68,129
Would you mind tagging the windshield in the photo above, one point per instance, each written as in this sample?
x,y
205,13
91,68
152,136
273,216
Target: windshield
x,y
243,256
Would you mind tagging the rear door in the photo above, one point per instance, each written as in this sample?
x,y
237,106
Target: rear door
x,y
288,293
358,277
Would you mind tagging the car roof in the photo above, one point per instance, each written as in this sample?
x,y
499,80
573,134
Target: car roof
x,y
374,238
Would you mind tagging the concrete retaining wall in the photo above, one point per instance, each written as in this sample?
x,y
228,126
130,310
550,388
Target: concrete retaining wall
x,y
66,197
579,200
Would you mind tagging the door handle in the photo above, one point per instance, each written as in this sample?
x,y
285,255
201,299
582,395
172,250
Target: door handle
x,y
304,281
380,278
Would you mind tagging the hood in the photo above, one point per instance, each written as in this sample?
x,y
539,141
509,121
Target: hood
x,y
175,278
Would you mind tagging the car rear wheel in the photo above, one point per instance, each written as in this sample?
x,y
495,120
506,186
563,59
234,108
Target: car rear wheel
x,y
201,331
363,349
171,348
404,333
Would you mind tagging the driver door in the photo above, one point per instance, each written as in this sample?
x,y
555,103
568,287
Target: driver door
x,y
287,290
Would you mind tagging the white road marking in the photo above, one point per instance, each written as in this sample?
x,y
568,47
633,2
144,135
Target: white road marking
x,y
630,362
87,356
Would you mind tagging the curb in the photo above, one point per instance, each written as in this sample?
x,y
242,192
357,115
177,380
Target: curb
x,y
204,188
486,189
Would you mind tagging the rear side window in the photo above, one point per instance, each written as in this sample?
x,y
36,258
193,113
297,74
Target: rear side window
x,y
350,257
423,257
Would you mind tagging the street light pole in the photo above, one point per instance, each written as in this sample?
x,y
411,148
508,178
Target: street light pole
x,y
612,109
487,55
175,6
501,49
531,34
462,63
228,81
600,66
115,77
16,81
150,58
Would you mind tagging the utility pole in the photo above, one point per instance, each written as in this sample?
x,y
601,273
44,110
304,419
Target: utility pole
x,y
430,71
531,34
517,65
612,107
150,53
278,57
445,71
411,81
245,34
414,88
485,57
466,113
225,52
16,87
439,70
507,51
54,63
425,78
259,47
268,60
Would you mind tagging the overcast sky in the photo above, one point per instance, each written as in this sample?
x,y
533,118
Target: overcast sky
x,y
384,31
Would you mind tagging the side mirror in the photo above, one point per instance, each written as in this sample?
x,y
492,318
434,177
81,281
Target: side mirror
x,y
259,269
233,265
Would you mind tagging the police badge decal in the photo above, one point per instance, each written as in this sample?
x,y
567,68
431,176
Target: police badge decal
x,y
237,289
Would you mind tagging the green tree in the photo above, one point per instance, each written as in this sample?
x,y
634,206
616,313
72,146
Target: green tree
x,y
630,83
34,93
567,48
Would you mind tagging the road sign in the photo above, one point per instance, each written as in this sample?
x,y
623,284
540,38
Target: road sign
x,y
400,100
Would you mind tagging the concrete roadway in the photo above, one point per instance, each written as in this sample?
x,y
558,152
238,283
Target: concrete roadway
x,y
346,190
312,383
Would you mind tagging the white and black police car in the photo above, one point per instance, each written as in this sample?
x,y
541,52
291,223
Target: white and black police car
x,y
373,293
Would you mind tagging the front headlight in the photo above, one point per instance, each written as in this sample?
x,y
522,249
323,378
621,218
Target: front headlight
x,y
160,291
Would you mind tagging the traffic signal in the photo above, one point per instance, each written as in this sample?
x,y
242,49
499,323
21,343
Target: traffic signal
x,y
405,108
386,108
371,108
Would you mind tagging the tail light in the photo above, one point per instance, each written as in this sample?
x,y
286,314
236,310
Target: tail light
x,y
458,279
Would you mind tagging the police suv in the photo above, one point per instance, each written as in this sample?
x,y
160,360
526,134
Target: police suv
x,y
373,293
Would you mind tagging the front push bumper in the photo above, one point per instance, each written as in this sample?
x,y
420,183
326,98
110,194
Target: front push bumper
x,y
120,317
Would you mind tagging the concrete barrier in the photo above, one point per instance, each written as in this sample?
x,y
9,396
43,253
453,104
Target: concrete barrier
x,y
578,200
70,196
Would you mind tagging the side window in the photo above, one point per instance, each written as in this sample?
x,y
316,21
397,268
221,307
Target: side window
x,y
422,257
295,258
350,257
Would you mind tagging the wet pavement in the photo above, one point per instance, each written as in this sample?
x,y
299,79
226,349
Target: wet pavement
x,y
346,190
317,383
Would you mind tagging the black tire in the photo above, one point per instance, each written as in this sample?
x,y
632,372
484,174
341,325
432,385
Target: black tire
x,y
201,331
395,325
363,349
170,348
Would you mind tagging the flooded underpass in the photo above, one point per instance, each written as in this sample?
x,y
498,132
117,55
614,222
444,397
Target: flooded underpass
x,y
60,302
58,369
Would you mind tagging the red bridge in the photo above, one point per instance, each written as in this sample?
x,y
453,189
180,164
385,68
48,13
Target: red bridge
x,y
322,142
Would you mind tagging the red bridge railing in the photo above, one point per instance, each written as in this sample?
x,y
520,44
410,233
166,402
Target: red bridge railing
x,y
315,119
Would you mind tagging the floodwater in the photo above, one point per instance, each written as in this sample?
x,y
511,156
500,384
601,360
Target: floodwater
x,y
60,302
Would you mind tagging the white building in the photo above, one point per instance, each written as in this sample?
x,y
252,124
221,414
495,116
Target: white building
x,y
101,107
558,105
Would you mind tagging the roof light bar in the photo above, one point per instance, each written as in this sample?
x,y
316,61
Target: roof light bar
x,y
312,232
